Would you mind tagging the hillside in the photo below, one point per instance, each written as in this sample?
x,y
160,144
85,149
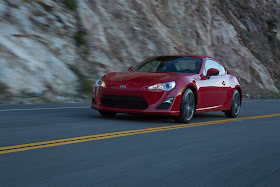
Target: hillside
x,y
53,50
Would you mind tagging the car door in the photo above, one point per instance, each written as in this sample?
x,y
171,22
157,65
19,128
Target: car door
x,y
225,88
212,92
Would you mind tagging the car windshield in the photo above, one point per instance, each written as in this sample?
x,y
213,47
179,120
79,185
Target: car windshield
x,y
176,64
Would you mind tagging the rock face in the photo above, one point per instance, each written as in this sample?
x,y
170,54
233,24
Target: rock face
x,y
126,32
37,49
48,47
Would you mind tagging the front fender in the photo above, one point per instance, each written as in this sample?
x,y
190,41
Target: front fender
x,y
184,83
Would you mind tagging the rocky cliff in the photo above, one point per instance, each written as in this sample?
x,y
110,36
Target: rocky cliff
x,y
55,48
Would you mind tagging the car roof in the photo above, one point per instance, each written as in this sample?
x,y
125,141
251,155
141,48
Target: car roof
x,y
195,56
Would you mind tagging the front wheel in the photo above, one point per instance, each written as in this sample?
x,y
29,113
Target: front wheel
x,y
107,114
187,107
235,105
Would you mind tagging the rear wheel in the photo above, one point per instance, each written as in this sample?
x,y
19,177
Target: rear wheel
x,y
235,105
107,114
187,107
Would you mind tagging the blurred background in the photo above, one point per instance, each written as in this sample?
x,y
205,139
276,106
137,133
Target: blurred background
x,y
54,50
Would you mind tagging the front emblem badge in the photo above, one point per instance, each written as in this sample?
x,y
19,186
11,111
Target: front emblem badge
x,y
122,86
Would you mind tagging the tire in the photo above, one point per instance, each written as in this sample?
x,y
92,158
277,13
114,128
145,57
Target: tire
x,y
235,105
187,107
107,114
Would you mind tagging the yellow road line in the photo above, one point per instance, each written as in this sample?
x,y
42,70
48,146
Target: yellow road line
x,y
65,141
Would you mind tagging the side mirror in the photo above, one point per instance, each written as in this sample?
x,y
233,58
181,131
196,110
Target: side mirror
x,y
211,72
130,68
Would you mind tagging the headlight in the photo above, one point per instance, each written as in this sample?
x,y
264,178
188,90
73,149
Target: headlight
x,y
100,82
167,86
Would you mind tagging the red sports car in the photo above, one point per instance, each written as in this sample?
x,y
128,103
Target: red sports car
x,y
176,85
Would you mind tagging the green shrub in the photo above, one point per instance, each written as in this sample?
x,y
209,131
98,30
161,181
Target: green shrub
x,y
272,23
86,85
249,34
72,4
80,38
3,88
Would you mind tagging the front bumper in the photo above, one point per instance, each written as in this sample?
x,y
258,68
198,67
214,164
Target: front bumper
x,y
153,99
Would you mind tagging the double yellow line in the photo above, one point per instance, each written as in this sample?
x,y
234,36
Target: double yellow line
x,y
53,143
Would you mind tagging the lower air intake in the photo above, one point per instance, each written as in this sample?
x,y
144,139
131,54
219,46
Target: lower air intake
x,y
124,102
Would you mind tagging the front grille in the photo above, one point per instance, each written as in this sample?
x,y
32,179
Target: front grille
x,y
125,102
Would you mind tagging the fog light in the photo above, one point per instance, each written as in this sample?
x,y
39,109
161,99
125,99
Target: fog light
x,y
169,100
166,104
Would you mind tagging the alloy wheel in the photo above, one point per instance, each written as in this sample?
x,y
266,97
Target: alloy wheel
x,y
189,106
236,104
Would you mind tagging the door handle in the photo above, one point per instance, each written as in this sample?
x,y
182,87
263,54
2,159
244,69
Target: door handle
x,y
224,83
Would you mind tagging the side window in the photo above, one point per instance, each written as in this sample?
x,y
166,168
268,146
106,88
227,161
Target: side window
x,y
222,70
206,67
213,64
210,64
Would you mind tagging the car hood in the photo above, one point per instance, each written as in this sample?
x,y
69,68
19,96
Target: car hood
x,y
134,78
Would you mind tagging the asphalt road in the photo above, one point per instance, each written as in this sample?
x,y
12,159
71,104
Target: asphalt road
x,y
230,153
